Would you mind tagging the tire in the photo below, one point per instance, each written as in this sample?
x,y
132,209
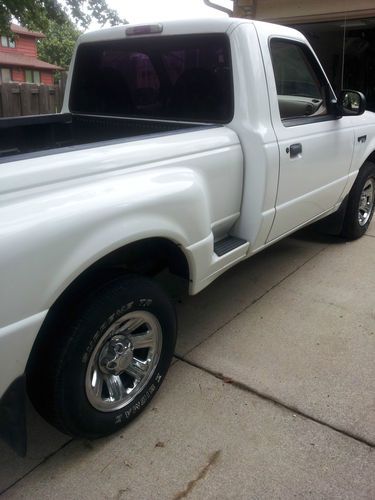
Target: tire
x,y
360,208
109,361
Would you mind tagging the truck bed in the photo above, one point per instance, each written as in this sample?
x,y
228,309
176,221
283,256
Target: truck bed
x,y
31,134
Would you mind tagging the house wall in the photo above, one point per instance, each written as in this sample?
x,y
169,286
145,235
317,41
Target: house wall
x,y
294,11
25,45
46,77
18,75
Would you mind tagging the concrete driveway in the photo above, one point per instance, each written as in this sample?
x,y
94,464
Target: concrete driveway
x,y
271,395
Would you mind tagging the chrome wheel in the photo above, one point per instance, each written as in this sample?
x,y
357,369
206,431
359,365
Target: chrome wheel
x,y
123,361
366,202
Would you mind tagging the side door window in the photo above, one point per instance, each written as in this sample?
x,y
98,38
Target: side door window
x,y
302,90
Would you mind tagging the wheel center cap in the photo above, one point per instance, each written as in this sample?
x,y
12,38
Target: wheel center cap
x,y
116,355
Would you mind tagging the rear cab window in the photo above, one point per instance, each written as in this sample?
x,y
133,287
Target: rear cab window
x,y
184,77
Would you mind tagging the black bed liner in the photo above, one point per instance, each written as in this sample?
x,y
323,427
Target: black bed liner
x,y
32,134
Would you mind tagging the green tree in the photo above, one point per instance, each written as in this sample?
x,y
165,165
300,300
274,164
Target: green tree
x,y
38,13
57,48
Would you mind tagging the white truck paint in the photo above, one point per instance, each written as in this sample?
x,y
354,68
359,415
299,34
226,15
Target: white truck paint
x,y
61,212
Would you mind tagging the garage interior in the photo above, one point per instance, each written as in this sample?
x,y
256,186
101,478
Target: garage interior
x,y
342,33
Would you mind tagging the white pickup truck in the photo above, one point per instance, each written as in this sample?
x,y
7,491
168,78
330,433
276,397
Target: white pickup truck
x,y
184,147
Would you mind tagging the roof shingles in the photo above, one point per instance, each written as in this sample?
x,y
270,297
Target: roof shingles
x,y
9,59
20,30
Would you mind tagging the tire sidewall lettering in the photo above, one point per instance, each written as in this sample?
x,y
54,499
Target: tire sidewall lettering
x,y
137,405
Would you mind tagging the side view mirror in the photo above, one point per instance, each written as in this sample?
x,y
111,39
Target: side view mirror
x,y
350,103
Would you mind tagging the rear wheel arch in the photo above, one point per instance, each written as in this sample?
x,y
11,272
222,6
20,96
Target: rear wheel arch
x,y
145,257
108,361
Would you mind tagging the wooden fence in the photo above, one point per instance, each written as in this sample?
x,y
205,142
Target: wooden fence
x,y
30,99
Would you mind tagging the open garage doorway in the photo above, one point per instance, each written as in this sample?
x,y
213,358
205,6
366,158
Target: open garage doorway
x,y
347,52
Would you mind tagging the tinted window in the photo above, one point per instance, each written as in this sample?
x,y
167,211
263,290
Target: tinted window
x,y
301,88
176,77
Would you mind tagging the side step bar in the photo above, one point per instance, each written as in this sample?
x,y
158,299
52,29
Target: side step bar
x,y
228,244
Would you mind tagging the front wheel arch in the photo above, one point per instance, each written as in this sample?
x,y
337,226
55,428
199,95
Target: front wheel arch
x,y
336,223
352,227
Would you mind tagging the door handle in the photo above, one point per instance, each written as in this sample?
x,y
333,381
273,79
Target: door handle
x,y
294,150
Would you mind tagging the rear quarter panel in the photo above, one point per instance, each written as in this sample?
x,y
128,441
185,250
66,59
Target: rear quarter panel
x,y
62,212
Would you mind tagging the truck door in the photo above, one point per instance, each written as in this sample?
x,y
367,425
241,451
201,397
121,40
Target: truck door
x,y
315,147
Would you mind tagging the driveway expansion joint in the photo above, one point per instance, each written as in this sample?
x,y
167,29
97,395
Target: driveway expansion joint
x,y
45,459
280,404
